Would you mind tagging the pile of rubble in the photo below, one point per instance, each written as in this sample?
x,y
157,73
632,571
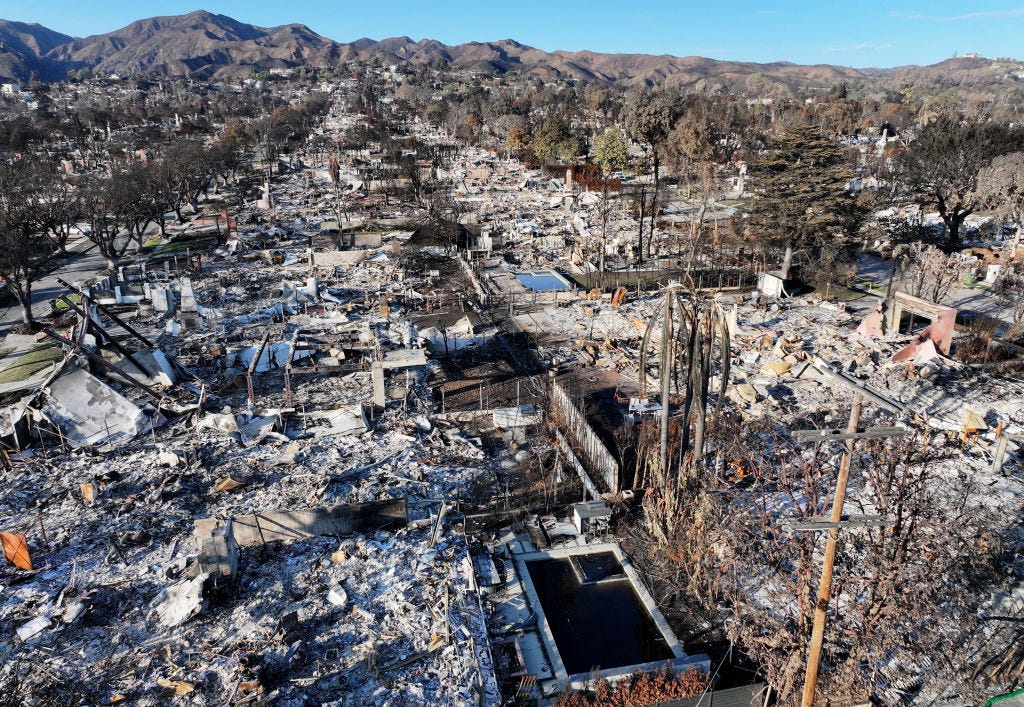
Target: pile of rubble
x,y
243,472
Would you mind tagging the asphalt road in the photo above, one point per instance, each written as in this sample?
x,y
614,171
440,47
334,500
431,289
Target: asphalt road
x,y
84,263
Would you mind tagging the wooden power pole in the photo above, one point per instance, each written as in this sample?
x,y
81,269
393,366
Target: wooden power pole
x,y
834,523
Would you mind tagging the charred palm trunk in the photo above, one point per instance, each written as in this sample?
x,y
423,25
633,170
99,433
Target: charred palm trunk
x,y
694,337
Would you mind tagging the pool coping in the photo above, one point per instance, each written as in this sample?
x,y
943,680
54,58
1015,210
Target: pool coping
x,y
578,681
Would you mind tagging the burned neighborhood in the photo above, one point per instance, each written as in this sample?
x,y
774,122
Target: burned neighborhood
x,y
395,373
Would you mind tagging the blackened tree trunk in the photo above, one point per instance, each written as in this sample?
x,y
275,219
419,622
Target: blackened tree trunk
x,y
654,203
941,167
26,251
26,306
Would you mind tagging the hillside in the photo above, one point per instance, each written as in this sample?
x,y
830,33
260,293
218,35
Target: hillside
x,y
23,48
210,46
199,44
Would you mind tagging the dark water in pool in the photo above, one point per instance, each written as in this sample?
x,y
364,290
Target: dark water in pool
x,y
596,624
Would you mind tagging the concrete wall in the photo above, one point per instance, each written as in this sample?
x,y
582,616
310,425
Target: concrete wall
x,y
581,472
680,662
586,442
481,296
746,696
257,529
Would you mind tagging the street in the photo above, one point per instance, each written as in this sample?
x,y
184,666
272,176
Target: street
x,y
970,300
84,263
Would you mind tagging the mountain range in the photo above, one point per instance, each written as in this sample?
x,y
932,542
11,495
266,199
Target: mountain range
x,y
208,46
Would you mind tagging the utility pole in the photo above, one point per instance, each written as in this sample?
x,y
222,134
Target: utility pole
x,y
825,586
834,523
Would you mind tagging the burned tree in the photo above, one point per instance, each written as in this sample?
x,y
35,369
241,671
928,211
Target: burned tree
x,y
649,118
184,174
693,337
26,252
942,167
101,205
802,201
925,271
892,618
444,214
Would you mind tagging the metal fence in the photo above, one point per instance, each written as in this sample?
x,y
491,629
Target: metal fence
x,y
583,438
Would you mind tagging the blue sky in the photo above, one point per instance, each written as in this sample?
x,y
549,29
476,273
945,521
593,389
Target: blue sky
x,y
860,34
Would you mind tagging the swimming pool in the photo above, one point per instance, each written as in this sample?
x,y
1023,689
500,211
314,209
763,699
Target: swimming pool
x,y
543,281
595,616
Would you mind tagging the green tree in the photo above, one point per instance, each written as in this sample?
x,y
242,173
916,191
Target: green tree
x,y
802,201
555,141
611,150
